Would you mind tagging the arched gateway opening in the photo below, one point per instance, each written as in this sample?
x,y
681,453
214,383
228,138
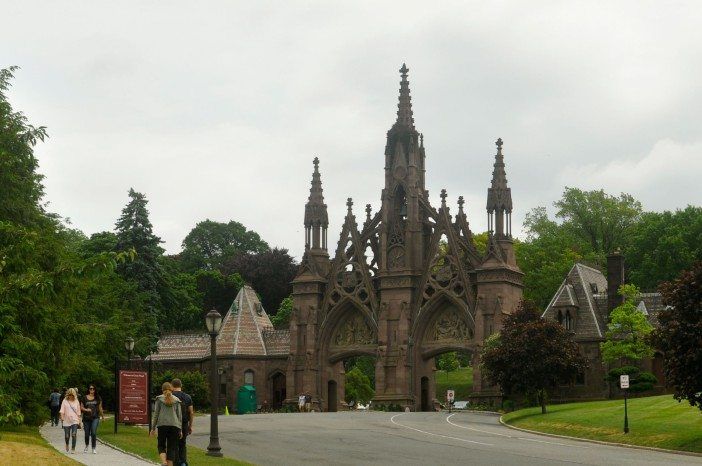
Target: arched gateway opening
x,y
348,357
278,392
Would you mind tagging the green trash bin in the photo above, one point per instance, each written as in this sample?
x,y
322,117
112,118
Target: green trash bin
x,y
246,400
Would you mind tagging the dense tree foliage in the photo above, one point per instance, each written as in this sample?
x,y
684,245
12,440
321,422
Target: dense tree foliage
x,y
530,355
281,319
626,338
662,244
357,387
591,224
48,327
211,243
269,273
679,336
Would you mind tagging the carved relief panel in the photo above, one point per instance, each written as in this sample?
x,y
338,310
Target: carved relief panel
x,y
353,331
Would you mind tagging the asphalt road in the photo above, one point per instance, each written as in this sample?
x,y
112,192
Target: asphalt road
x,y
359,438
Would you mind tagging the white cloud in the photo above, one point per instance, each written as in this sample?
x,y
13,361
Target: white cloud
x,y
667,177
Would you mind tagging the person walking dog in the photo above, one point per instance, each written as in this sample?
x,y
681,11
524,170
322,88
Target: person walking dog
x,y
168,419
91,406
70,417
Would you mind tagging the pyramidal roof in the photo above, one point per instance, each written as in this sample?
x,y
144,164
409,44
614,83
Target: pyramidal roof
x,y
243,326
246,331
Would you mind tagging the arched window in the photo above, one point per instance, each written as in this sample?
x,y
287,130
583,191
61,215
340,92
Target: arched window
x,y
560,317
248,377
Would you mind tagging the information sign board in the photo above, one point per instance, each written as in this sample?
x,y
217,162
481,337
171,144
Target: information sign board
x,y
450,396
133,397
624,381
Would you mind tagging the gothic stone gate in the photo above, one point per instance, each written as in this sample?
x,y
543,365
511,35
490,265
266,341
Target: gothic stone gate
x,y
405,286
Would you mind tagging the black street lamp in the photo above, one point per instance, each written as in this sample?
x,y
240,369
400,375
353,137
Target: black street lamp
x,y
213,320
129,346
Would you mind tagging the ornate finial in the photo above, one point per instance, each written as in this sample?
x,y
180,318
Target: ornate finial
x,y
421,139
349,204
443,198
460,203
403,71
498,143
316,163
368,212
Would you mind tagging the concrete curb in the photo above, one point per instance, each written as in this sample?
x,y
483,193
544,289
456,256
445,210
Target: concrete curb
x,y
468,411
601,442
134,455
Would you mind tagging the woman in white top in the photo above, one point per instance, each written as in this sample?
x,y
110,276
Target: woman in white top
x,y
70,416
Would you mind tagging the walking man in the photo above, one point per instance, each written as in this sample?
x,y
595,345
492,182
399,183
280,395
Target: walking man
x,y
188,415
55,404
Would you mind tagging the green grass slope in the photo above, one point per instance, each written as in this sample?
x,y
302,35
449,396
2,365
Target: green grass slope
x,y
460,380
23,445
657,421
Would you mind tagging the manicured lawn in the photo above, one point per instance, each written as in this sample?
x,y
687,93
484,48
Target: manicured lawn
x,y
460,380
24,445
136,440
657,421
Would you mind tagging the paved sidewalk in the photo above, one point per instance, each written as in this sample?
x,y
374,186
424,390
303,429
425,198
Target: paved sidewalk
x,y
105,455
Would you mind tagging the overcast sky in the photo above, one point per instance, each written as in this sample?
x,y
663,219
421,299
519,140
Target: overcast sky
x,y
216,109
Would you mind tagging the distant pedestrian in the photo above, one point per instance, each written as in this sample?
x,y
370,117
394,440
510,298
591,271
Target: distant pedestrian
x,y
168,419
301,403
91,406
188,415
55,405
70,417
308,403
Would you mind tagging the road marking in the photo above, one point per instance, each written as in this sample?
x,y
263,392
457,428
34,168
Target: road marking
x,y
392,419
448,419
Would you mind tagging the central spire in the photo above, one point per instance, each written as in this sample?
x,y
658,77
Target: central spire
x,y
404,107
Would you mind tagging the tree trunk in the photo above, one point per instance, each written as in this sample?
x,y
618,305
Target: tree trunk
x,y
542,396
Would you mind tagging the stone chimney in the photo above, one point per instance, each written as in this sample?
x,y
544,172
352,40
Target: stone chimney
x,y
615,279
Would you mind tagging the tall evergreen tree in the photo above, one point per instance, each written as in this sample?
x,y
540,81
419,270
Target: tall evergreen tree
x,y
135,233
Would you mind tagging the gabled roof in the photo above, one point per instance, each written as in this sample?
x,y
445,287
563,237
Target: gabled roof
x,y
578,290
585,289
246,331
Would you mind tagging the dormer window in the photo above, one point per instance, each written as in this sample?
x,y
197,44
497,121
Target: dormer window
x,y
593,287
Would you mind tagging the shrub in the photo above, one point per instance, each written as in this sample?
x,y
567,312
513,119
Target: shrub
x,y
194,384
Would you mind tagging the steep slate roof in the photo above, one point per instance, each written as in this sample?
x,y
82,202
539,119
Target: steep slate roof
x,y
578,293
584,291
246,331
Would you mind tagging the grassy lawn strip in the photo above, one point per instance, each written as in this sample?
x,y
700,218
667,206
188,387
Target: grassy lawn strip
x,y
460,380
657,421
23,445
136,440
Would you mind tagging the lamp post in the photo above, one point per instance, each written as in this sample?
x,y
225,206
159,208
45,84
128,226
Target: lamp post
x,y
213,320
220,372
129,346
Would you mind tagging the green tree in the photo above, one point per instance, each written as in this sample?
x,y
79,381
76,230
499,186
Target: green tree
x,y
547,254
530,355
281,319
269,272
626,338
601,220
210,243
217,290
447,362
679,335
358,387
663,244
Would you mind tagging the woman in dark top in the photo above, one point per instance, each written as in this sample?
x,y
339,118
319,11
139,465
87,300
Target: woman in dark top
x,y
91,406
